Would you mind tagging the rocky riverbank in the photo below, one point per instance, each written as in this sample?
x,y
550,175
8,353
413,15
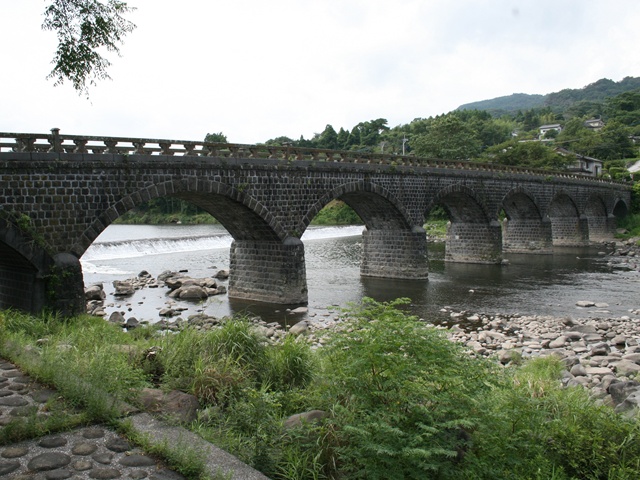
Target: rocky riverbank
x,y
601,352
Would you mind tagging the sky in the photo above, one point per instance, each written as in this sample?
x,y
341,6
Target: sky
x,y
257,69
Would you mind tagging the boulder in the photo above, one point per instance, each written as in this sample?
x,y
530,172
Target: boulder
x,y
222,274
307,418
621,390
192,292
95,292
116,317
123,288
585,303
299,328
625,367
180,406
558,342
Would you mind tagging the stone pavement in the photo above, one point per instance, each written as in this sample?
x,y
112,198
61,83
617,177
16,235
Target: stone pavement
x,y
94,452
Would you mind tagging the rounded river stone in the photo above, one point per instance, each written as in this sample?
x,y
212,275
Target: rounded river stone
x,y
15,452
137,461
53,442
48,461
61,474
14,401
84,448
81,465
90,433
104,473
104,458
8,467
118,445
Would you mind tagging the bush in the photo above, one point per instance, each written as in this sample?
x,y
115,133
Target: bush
x,y
535,428
405,397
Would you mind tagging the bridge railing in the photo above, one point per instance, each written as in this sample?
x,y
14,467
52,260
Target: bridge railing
x,y
57,143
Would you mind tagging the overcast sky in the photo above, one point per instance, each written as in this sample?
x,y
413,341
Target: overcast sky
x,y
258,69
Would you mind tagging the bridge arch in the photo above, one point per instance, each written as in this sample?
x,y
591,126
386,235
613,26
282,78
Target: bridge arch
x,y
265,265
243,216
568,228
23,269
524,229
375,205
598,222
620,208
473,236
391,246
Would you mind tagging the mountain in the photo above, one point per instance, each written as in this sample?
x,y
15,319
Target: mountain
x,y
595,92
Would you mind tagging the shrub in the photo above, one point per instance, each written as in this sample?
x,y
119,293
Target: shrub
x,y
405,396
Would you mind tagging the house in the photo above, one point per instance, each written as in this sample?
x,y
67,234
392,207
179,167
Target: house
x,y
546,128
583,164
595,124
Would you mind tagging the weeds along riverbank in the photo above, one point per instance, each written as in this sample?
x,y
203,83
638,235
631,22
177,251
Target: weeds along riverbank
x,y
385,396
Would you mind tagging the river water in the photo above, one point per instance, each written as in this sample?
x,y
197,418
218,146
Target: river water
x,y
530,284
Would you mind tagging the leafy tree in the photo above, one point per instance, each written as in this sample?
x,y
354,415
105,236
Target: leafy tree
x,y
216,138
328,138
83,27
449,138
528,154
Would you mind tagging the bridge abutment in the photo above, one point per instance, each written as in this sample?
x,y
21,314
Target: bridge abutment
x,y
268,271
474,242
395,254
526,235
65,286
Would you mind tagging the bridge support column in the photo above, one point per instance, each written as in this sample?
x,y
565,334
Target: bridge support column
x,y
600,228
474,242
268,271
65,285
526,235
395,254
570,231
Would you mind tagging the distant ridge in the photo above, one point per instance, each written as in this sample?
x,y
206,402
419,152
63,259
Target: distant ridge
x,y
509,103
594,92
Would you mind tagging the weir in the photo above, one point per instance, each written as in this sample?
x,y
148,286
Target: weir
x,y
59,192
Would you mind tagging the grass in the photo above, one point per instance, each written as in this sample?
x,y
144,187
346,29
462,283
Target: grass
x,y
401,400
631,223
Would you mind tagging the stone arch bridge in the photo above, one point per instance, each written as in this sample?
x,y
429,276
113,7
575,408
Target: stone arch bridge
x,y
59,192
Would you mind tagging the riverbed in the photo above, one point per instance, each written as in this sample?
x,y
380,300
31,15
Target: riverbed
x,y
529,284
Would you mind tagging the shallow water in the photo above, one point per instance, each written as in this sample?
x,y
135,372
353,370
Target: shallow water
x,y
530,284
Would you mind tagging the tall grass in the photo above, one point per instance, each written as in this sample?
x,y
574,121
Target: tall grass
x,y
401,401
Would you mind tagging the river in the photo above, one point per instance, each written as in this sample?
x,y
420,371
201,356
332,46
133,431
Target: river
x,y
529,284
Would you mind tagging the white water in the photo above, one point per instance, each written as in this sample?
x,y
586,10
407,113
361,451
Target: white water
x,y
125,241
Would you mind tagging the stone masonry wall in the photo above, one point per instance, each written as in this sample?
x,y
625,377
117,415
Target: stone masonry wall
x,y
394,254
269,272
526,236
70,198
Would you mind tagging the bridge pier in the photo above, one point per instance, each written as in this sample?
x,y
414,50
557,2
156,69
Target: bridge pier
x,y
570,231
268,271
526,235
394,253
601,228
474,242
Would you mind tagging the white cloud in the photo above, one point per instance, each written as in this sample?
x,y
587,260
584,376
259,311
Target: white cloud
x,y
256,70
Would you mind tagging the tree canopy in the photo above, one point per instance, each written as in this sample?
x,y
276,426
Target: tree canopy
x,y
83,28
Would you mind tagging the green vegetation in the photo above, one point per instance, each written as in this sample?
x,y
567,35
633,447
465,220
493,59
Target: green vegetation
x,y
494,131
166,210
84,29
337,213
400,400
